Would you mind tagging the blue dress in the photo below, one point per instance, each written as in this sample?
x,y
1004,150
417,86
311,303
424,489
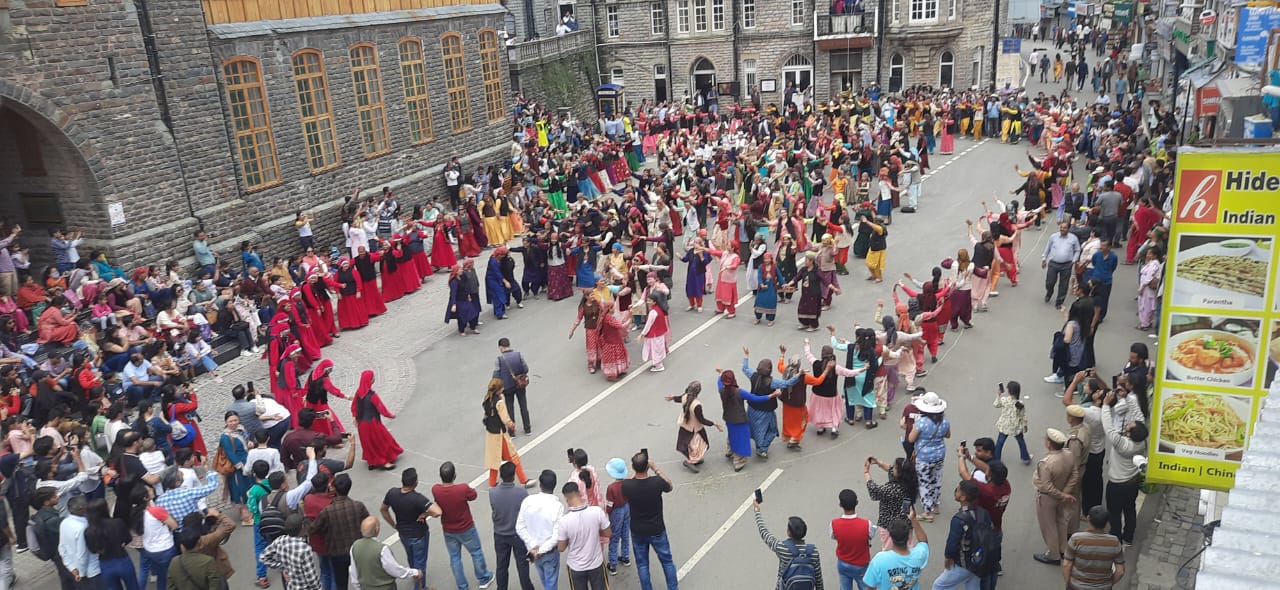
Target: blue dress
x,y
695,283
237,483
496,294
766,293
584,273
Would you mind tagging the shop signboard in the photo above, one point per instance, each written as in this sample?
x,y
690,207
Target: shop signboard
x,y
1220,323
1252,31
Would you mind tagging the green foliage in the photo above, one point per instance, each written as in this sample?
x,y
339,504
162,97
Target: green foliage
x,y
563,78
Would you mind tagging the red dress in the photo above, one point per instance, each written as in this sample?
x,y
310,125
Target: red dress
x,y
320,312
420,257
392,286
351,311
442,255
367,272
407,271
286,388
317,398
377,445
179,412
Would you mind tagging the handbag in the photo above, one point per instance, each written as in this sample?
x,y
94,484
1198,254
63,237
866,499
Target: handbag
x,y
181,435
222,464
981,272
522,380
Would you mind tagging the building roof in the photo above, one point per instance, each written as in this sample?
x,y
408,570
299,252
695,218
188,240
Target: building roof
x,y
1246,547
342,21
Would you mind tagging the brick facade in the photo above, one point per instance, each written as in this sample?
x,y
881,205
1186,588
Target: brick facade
x,y
80,76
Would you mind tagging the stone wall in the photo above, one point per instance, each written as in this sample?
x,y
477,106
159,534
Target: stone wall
x,y
82,76
567,81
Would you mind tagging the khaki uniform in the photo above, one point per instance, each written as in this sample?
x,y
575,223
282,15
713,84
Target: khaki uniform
x,y
1056,478
1078,447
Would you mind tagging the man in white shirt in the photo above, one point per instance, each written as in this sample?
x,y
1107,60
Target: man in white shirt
x,y
452,173
538,524
580,533
274,417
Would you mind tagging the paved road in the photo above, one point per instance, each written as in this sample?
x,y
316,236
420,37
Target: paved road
x,y
435,380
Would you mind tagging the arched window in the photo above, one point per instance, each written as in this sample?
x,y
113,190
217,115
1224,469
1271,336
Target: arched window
x,y
455,81
414,77
702,75
314,110
491,71
251,122
798,71
946,69
897,68
367,84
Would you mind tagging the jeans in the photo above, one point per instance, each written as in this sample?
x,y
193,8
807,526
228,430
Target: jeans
x,y
957,577
850,575
157,563
588,580
511,397
1122,498
470,539
620,525
259,544
548,570
6,567
415,552
1022,446
117,574
1060,273
276,433
506,546
327,581
662,547
208,363
151,390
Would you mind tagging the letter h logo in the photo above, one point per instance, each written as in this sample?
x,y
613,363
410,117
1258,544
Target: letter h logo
x,y
1198,193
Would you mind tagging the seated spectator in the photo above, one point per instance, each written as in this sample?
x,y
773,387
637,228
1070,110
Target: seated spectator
x,y
197,352
142,381
9,309
57,325
104,269
31,294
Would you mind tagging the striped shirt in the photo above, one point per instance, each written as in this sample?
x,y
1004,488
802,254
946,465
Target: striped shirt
x,y
1093,556
785,555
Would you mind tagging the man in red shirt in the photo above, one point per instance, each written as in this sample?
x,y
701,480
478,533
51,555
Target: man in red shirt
x,y
321,495
853,536
993,494
459,528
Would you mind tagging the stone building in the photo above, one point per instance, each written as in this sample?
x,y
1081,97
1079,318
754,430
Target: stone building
x,y
660,49
138,121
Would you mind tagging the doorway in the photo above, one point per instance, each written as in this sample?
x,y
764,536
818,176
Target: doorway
x,y
702,76
659,83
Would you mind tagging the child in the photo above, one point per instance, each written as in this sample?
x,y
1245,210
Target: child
x,y
615,505
198,352
102,313
259,451
152,460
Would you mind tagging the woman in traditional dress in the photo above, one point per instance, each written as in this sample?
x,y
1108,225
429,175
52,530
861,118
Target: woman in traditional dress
x,y
367,273
948,145
351,311
407,269
498,428
442,255
735,417
492,222
656,331
825,408
559,272
413,242
605,337
727,282
795,413
464,298
476,221
392,285
692,441
827,269
497,289
863,357
762,416
319,386
378,448
962,301
812,288
555,195
287,388
786,264
234,444
467,244
315,294
766,300
696,276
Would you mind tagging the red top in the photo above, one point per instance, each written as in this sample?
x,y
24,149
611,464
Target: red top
x,y
613,497
312,504
994,499
909,416
456,513
659,327
853,540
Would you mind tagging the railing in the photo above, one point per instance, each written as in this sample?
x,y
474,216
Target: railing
x,y
844,25
549,46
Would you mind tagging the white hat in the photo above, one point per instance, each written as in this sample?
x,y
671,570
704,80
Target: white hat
x,y
930,403
1056,436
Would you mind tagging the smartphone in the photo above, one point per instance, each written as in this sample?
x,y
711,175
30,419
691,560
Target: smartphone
x,y
964,444
759,497
1115,381
1001,386
569,453
346,435
645,451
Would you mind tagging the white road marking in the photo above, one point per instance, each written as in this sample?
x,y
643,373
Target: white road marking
x,y
702,551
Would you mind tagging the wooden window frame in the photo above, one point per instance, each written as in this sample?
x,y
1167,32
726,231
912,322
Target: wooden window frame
x,y
371,112
413,75
310,85
58,3
491,74
455,81
255,143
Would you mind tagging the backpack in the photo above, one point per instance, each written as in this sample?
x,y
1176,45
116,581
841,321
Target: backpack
x,y
980,547
799,573
38,538
272,515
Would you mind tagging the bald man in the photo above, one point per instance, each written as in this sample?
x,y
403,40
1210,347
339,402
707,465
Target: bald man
x,y
372,565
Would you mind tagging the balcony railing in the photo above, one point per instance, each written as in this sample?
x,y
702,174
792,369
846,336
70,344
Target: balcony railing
x,y
540,49
844,25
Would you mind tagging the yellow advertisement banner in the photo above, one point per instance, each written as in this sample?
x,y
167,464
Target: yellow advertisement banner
x,y
1220,319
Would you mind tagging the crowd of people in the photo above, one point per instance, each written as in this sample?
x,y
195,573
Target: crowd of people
x,y
791,195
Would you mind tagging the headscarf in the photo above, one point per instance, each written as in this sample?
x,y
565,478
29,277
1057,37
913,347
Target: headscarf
x,y
728,380
366,384
317,372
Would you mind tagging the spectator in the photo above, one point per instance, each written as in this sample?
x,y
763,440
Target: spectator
x,y
193,569
245,409
64,246
340,522
644,494
206,260
372,564
854,537
321,496
293,447
615,505
958,570
291,553
504,503
536,526
459,528
8,273
407,511
899,567
511,368
579,534
178,499
72,550
792,549
1094,559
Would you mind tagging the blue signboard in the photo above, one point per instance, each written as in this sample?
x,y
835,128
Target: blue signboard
x,y
1256,23
1012,45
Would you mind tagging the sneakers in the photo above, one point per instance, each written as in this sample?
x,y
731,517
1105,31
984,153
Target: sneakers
x,y
613,569
484,585
1055,378
993,294
624,560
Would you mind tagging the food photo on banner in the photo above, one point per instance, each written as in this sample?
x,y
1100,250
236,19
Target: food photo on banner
x,y
1219,345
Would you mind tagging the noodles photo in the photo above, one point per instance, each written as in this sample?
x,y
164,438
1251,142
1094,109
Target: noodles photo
x,y
1201,421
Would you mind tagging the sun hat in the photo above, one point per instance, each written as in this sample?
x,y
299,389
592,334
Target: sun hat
x,y
617,468
930,403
